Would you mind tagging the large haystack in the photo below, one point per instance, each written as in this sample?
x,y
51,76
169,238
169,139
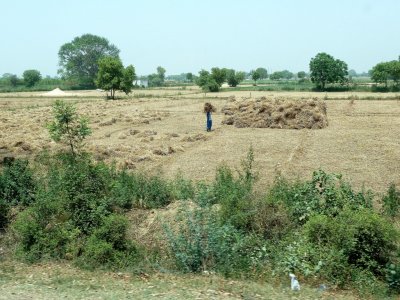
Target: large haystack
x,y
277,113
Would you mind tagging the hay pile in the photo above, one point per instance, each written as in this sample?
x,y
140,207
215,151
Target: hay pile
x,y
277,113
208,107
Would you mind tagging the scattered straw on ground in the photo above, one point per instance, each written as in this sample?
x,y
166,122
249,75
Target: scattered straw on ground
x,y
277,113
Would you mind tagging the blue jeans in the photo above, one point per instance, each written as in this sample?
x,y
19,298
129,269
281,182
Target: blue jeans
x,y
209,125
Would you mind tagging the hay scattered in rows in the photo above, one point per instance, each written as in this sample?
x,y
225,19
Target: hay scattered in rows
x,y
277,113
194,138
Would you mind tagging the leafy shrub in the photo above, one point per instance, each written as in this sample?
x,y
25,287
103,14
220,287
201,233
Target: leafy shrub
x,y
183,189
325,194
73,216
37,241
270,219
4,210
17,185
202,243
393,277
123,190
391,201
204,195
153,192
366,239
108,245
234,196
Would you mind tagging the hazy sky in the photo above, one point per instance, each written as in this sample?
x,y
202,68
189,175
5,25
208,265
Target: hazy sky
x,y
188,35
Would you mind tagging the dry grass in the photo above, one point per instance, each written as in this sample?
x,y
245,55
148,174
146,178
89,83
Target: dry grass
x,y
276,113
361,141
62,281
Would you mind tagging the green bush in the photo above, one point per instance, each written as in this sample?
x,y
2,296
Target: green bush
x,y
36,241
367,240
204,195
393,277
108,245
183,189
234,196
123,190
202,243
4,211
391,201
17,185
270,219
325,194
73,216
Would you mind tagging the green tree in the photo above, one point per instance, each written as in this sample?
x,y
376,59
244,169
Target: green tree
x,y
157,79
10,79
128,76
207,82
68,127
263,73
79,59
112,76
301,75
234,78
161,73
380,73
219,75
394,71
325,69
277,75
255,76
31,77
189,77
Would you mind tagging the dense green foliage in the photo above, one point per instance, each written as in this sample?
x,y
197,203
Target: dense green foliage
x,y
206,81
325,69
255,76
113,76
385,71
157,79
278,75
79,58
31,77
263,73
234,78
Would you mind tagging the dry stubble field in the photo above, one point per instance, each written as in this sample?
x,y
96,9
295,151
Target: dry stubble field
x,y
164,131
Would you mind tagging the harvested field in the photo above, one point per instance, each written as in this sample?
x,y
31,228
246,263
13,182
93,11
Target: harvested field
x,y
276,113
167,134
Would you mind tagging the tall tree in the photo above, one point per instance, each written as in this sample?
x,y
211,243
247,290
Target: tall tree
x,y
263,73
301,74
79,59
255,76
31,77
161,73
234,78
325,69
189,77
219,75
385,71
112,76
207,82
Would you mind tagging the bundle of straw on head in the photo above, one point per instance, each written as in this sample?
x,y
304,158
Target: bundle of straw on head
x,y
208,107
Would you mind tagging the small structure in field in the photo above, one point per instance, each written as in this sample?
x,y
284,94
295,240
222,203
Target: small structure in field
x,y
277,113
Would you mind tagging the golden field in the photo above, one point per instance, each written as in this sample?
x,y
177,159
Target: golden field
x,y
163,130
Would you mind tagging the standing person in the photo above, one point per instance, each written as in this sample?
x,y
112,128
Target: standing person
x,y
208,109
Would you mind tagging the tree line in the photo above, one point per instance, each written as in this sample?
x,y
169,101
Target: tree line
x,y
91,61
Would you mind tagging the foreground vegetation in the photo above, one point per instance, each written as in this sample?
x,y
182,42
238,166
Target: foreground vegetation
x,y
65,207
68,208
